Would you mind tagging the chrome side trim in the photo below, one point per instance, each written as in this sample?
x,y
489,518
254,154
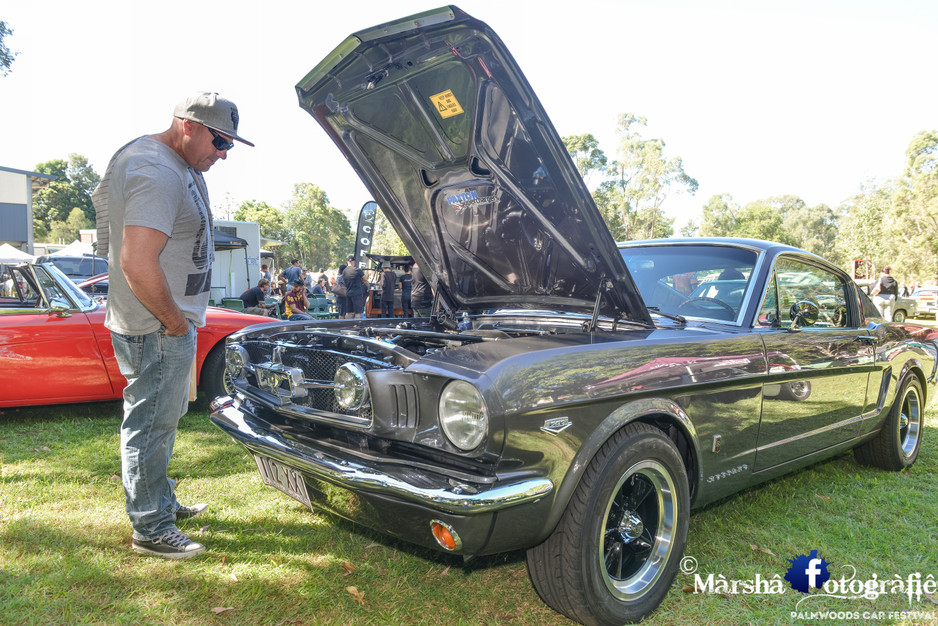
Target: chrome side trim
x,y
350,475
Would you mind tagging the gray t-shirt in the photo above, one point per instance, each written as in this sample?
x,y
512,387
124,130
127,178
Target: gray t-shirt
x,y
148,184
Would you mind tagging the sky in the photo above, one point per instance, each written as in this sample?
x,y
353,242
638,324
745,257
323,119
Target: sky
x,y
758,98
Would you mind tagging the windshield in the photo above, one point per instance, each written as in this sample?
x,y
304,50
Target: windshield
x,y
705,281
59,290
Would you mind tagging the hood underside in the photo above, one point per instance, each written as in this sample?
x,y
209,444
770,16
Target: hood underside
x,y
445,131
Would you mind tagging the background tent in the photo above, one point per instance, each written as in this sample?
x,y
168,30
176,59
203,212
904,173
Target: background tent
x,y
76,248
9,254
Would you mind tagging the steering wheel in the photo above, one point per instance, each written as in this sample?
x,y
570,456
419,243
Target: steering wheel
x,y
722,305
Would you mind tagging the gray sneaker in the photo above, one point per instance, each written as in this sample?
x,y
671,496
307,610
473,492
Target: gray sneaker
x,y
188,512
171,545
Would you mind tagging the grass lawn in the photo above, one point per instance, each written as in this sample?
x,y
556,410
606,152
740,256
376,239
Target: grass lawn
x,y
65,552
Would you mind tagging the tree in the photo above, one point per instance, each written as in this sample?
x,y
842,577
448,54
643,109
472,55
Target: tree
x,y
75,180
316,233
641,179
68,231
585,152
915,209
862,227
386,239
6,56
811,228
719,216
270,219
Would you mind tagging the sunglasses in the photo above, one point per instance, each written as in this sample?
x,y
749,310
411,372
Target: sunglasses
x,y
219,142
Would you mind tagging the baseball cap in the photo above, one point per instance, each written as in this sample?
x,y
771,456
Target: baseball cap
x,y
210,109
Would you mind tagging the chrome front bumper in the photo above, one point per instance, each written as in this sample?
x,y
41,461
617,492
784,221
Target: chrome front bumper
x,y
357,477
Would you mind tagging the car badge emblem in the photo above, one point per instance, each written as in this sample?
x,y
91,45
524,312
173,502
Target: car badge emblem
x,y
556,425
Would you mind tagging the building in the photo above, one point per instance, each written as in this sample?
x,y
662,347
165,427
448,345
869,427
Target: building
x,y
16,206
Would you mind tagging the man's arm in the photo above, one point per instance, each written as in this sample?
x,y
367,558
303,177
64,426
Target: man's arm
x,y
140,254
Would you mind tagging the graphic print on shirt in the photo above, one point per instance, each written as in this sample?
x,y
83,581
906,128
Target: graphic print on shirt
x,y
203,253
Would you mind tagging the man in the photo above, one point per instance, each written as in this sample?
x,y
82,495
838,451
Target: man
x,y
422,294
388,282
153,211
355,294
296,302
884,293
407,283
255,298
292,273
319,289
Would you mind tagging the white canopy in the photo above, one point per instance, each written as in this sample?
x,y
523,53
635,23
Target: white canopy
x,y
76,248
9,254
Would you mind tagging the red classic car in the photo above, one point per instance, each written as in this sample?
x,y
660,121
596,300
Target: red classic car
x,y
55,349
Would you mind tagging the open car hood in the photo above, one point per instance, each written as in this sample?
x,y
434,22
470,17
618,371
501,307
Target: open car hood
x,y
442,126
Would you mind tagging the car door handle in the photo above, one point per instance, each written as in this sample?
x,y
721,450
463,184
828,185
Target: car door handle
x,y
867,339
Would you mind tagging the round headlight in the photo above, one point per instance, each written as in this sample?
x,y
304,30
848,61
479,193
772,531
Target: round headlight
x,y
237,361
463,415
351,386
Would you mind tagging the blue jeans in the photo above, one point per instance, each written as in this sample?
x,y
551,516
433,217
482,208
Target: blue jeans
x,y
156,367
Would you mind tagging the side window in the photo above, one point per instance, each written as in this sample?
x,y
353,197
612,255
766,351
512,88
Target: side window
x,y
794,281
768,312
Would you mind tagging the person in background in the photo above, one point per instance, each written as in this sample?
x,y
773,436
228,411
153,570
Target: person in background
x,y
884,292
265,273
407,283
254,299
291,273
296,302
340,299
388,282
154,220
422,295
319,289
307,278
354,289
322,275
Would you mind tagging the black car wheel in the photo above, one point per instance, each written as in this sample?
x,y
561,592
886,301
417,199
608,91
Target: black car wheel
x,y
615,552
898,442
215,379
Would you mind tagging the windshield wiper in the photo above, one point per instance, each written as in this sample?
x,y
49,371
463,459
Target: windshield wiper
x,y
676,318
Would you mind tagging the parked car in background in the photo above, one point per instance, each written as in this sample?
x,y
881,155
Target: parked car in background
x,y
906,307
77,268
568,396
55,349
926,301
96,286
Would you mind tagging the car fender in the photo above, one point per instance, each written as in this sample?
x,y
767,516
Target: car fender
x,y
662,413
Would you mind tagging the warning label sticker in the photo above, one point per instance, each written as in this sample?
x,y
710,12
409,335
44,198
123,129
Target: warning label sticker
x,y
446,104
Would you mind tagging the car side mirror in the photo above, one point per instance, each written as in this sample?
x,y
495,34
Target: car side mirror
x,y
803,313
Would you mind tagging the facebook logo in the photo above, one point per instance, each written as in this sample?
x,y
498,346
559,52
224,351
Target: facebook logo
x,y
807,572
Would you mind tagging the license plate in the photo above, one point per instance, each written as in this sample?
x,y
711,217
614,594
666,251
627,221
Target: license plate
x,y
284,478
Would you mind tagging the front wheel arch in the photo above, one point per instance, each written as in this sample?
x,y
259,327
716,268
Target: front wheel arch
x,y
660,413
897,445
